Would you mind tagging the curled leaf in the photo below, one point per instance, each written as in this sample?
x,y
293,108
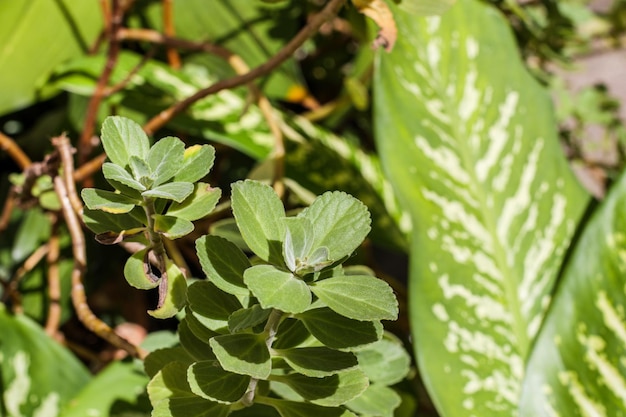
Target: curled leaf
x,y
379,12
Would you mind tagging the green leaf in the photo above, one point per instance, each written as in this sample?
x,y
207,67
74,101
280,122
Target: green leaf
x,y
197,162
247,318
100,222
117,175
376,400
165,158
196,347
474,156
29,56
300,409
339,332
223,263
576,366
359,297
177,191
171,396
243,353
208,380
200,203
141,170
384,362
329,391
107,201
278,289
291,333
172,227
318,361
119,381
298,240
341,223
176,293
159,358
206,299
426,7
259,213
135,271
197,327
31,366
34,229
123,138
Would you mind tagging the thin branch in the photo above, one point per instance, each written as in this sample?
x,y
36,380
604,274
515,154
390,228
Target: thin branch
x,y
331,8
15,152
54,281
168,27
152,36
63,145
12,287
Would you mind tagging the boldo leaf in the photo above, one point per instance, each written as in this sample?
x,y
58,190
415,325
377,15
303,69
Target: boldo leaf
x,y
385,361
339,332
376,400
100,222
341,223
176,294
208,380
165,159
223,263
121,138
200,203
197,162
359,297
107,201
278,289
243,353
177,191
158,358
259,213
196,347
172,227
318,361
247,318
207,300
116,175
141,170
136,271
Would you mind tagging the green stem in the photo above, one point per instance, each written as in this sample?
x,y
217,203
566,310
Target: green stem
x,y
157,247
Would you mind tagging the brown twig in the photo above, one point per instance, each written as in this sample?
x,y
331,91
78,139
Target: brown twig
x,y
331,8
15,152
152,36
168,27
64,147
117,87
12,287
54,281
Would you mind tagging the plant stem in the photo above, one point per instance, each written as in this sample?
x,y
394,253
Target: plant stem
x,y
157,248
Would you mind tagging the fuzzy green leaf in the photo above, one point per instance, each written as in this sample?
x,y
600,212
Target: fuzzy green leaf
x,y
329,391
278,289
318,361
243,353
172,227
136,274
176,191
385,362
99,221
299,236
197,162
259,213
359,297
141,170
341,223
121,138
223,263
199,204
107,201
176,293
300,409
207,300
376,400
247,318
208,380
165,159
116,174
339,332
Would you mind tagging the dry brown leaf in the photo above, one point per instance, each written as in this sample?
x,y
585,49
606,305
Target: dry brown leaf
x,y
379,12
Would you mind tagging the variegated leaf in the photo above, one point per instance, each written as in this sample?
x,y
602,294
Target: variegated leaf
x,y
469,141
578,364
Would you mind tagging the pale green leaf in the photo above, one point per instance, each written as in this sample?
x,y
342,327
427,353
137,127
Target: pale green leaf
x,y
123,138
208,380
247,318
473,154
197,162
339,332
176,293
115,174
177,191
141,170
359,297
376,400
341,223
107,201
278,289
243,353
259,213
165,159
136,272
384,362
576,367
199,204
223,263
318,361
299,237
426,7
172,227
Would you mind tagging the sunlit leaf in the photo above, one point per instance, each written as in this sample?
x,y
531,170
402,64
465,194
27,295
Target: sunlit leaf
x,y
123,138
318,361
200,203
243,353
176,293
208,380
116,175
172,227
385,361
376,400
137,271
247,318
165,159
223,263
278,289
107,201
177,191
197,162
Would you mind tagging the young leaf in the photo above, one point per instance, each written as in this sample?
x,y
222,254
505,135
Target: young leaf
x,y
137,271
207,300
318,361
121,138
339,332
299,237
341,223
223,263
116,175
259,214
385,362
197,162
141,170
247,318
177,191
172,227
199,204
176,295
359,297
165,159
277,289
208,380
376,400
107,201
243,353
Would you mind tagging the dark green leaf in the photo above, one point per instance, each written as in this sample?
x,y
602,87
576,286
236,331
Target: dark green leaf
x,y
176,293
199,204
278,289
223,263
121,138
318,361
339,332
107,201
359,297
165,159
197,347
197,162
259,213
208,380
201,331
209,301
177,191
34,229
100,222
300,409
243,353
159,358
291,333
247,318
172,227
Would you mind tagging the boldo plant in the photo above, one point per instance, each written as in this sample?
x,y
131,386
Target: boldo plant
x,y
287,331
